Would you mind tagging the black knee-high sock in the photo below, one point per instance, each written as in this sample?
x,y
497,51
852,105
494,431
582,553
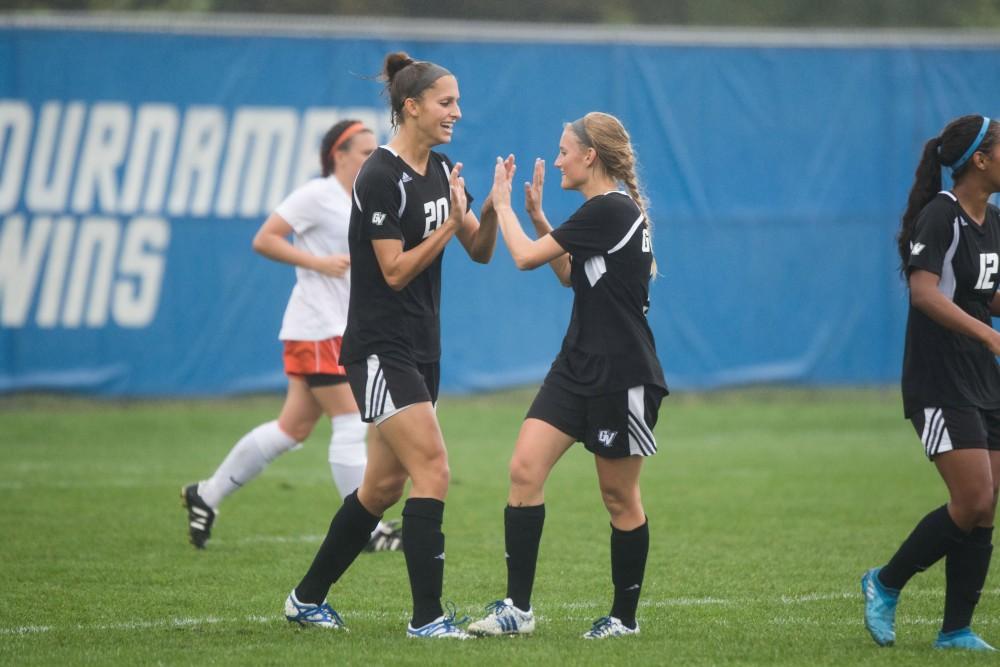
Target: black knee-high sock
x,y
423,547
349,532
965,574
628,565
933,537
522,533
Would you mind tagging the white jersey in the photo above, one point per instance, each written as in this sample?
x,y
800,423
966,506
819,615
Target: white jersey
x,y
320,213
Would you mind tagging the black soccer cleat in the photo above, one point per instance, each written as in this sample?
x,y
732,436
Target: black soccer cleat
x,y
200,516
387,537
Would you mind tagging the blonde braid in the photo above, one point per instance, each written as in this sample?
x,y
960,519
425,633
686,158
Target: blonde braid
x,y
632,183
613,144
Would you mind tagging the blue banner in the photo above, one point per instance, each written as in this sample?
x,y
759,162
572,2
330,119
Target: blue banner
x,y
135,168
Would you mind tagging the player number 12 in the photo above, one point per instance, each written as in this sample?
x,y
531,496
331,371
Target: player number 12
x,y
989,264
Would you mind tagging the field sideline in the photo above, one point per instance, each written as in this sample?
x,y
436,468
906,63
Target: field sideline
x,y
765,507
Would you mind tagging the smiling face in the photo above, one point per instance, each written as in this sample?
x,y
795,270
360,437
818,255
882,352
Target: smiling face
x,y
573,161
436,111
348,160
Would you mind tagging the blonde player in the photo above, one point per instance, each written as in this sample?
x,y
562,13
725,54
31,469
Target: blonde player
x,y
605,387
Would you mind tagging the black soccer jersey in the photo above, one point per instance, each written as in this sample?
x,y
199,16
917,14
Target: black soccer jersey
x,y
392,201
609,345
943,368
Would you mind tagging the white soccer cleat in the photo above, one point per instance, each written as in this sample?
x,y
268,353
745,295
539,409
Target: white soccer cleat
x,y
312,615
504,619
442,627
609,626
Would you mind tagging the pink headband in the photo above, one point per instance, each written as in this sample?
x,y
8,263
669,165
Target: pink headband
x,y
347,134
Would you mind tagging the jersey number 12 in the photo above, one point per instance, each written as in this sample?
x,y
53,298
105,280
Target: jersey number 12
x,y
436,212
989,264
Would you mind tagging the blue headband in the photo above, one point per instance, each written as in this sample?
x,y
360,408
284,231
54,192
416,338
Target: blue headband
x,y
955,166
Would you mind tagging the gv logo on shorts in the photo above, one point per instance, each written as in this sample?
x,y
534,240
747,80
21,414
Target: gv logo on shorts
x,y
378,219
606,437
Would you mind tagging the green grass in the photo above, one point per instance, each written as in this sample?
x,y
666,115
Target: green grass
x,y
765,507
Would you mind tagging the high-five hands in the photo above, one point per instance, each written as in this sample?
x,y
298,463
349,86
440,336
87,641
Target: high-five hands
x,y
458,200
510,167
503,176
533,190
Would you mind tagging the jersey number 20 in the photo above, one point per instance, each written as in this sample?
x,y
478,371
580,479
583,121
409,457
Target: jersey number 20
x,y
989,264
436,212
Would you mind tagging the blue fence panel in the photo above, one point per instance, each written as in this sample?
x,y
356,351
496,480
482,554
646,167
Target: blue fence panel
x,y
135,168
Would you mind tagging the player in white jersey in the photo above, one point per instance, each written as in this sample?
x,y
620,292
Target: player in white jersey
x,y
316,216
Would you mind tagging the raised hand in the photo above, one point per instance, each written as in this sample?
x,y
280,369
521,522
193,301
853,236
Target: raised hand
x,y
503,174
509,165
511,168
458,199
533,190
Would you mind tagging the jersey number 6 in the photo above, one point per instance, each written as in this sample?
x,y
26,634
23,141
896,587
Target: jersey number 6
x,y
437,212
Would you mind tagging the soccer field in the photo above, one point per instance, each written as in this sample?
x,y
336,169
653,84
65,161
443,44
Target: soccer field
x,y
765,507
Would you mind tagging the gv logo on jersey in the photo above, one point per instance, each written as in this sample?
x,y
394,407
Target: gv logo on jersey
x,y
916,248
378,218
606,437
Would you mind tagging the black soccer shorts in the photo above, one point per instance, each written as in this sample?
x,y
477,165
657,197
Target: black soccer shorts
x,y
611,426
944,429
383,386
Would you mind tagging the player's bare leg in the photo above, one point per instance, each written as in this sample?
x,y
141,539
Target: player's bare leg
x,y
619,482
539,446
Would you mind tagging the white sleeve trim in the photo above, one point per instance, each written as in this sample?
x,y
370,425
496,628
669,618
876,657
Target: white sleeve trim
x,y
635,226
947,282
595,268
402,198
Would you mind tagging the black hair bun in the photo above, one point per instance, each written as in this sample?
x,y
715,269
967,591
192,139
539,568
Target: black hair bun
x,y
395,62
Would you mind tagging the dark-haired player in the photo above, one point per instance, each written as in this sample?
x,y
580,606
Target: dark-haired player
x,y
949,243
409,201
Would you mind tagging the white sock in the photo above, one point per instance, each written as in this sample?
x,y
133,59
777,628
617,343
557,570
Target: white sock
x,y
348,454
246,460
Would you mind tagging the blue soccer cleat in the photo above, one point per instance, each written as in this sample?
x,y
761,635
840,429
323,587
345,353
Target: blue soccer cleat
x,y
963,638
880,608
310,615
504,619
442,627
609,626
